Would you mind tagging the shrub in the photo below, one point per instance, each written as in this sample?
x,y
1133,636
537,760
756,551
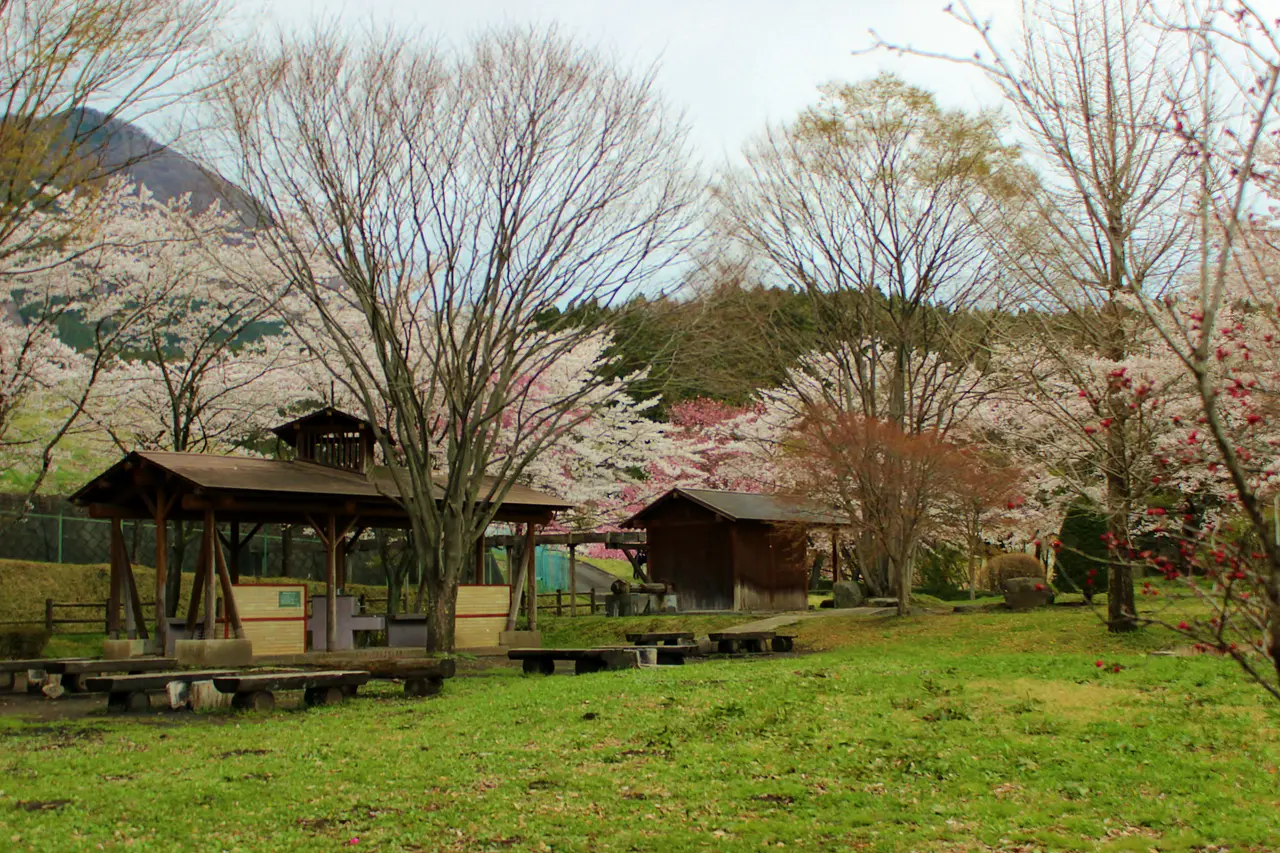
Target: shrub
x,y
1082,562
1007,566
943,571
17,643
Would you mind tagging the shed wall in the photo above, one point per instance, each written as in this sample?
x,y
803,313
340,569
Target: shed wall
x,y
689,548
770,563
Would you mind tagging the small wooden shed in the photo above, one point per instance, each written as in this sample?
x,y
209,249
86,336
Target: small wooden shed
x,y
730,550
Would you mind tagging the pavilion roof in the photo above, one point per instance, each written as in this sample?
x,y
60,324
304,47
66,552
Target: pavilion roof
x,y
277,483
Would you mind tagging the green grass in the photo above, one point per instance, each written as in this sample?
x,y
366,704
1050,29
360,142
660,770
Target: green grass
x,y
984,732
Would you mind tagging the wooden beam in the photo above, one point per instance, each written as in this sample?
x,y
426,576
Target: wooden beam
x,y
136,624
531,586
162,571
113,594
210,597
228,593
330,540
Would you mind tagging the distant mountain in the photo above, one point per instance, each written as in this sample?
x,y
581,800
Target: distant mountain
x,y
122,148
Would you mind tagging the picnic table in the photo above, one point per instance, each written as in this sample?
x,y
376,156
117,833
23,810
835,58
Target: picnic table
x,y
668,638
132,692
256,691
751,642
75,671
543,661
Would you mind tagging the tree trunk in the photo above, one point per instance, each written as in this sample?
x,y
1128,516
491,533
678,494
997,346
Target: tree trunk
x,y
973,571
442,599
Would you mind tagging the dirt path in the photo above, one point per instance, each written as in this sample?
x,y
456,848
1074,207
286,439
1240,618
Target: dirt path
x,y
773,623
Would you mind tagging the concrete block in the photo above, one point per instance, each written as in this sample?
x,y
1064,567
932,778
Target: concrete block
x,y
520,639
646,657
214,654
123,649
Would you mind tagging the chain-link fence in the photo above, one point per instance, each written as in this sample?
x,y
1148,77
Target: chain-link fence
x,y
53,530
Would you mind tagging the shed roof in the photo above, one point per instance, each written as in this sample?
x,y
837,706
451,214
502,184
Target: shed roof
x,y
743,506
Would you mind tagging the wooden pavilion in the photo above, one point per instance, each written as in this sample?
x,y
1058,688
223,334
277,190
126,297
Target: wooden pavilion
x,y
330,485
731,550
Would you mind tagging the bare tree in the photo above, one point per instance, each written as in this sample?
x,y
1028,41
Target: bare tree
x,y
440,213
1088,83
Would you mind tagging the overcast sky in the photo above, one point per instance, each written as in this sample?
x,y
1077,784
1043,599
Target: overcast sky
x,y
731,65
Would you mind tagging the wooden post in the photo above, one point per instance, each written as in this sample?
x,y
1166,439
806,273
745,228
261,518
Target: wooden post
x,y
232,611
210,597
573,580
531,568
593,601
162,571
113,596
835,556
198,584
480,552
48,615
559,602
330,539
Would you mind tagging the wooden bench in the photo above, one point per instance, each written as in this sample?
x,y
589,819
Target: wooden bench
x,y
668,638
420,677
751,642
254,691
130,692
74,672
543,661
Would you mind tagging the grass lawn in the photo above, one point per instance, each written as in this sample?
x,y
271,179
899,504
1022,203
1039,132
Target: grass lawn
x,y
983,732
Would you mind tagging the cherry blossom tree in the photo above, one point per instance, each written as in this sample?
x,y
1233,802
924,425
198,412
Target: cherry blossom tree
x,y
64,284
125,59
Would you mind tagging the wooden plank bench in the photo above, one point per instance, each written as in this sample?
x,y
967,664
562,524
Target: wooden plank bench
x,y
667,638
130,692
420,677
255,691
28,668
751,642
74,672
543,661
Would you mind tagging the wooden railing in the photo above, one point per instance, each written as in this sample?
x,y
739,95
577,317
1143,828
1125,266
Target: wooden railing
x,y
52,620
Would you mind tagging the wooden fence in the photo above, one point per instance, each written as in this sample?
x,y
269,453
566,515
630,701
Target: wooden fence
x,y
53,619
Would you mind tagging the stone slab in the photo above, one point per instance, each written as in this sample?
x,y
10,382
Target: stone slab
x,y
123,649
520,639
